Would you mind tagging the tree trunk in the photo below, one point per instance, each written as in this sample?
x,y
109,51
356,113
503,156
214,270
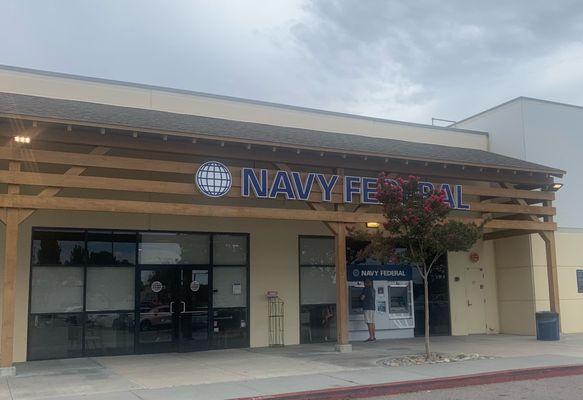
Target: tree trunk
x,y
426,291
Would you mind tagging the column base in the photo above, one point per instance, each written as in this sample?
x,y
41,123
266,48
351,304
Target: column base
x,y
7,371
343,348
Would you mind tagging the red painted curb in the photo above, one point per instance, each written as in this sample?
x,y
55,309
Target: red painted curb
x,y
384,389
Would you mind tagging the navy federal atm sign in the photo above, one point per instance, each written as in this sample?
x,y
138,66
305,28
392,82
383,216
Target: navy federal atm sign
x,y
214,179
378,272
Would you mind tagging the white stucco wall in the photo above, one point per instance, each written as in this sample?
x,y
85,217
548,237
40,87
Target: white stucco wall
x,y
545,133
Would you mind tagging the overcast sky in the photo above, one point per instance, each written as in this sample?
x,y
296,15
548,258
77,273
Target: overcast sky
x,y
405,60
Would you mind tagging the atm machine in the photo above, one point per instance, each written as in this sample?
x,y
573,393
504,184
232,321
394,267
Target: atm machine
x,y
393,285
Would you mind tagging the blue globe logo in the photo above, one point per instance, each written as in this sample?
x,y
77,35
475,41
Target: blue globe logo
x,y
213,179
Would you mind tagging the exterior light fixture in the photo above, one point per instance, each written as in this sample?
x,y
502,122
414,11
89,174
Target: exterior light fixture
x,y
22,139
374,225
69,128
135,134
555,186
102,131
193,140
298,151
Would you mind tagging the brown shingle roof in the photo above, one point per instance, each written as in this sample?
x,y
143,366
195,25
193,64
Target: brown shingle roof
x,y
79,112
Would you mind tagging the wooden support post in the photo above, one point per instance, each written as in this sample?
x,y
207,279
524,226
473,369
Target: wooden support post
x,y
9,288
9,278
552,272
341,290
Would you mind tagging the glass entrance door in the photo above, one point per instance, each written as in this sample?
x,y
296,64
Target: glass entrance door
x,y
174,309
193,315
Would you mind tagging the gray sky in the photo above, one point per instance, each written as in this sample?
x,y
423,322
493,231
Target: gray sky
x,y
405,60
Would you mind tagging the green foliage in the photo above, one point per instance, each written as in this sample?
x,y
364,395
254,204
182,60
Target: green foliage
x,y
416,230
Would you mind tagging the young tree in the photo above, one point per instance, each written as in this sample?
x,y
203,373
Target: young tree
x,y
416,231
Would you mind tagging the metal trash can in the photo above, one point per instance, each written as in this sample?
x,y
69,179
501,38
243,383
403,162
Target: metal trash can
x,y
547,325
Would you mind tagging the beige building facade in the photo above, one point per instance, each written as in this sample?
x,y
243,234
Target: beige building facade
x,y
107,156
548,132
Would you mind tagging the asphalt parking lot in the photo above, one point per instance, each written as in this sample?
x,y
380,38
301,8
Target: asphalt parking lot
x,y
564,388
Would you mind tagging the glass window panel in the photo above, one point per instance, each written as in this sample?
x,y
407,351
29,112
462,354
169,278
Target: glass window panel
x,y
100,247
110,288
174,248
107,334
318,285
316,251
230,328
229,249
54,336
317,323
56,289
439,315
124,248
58,247
229,287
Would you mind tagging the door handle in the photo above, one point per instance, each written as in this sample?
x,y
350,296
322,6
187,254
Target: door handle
x,y
171,307
183,307
469,304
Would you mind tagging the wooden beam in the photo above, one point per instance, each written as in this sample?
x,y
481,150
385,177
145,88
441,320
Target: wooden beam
x,y
341,286
144,207
73,179
519,224
505,234
54,191
59,181
552,271
96,159
9,288
128,206
511,208
488,191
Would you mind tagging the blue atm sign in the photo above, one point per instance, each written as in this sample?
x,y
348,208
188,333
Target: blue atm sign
x,y
376,272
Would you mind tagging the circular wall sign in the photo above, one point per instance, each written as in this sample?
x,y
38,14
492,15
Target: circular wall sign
x,y
475,257
213,179
194,286
156,286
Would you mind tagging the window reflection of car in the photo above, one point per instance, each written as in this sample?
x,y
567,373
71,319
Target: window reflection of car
x,y
155,318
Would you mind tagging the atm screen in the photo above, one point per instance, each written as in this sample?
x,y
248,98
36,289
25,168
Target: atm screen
x,y
399,300
355,302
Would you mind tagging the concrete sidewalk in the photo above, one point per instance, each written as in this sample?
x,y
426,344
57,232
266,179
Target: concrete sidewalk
x,y
228,374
